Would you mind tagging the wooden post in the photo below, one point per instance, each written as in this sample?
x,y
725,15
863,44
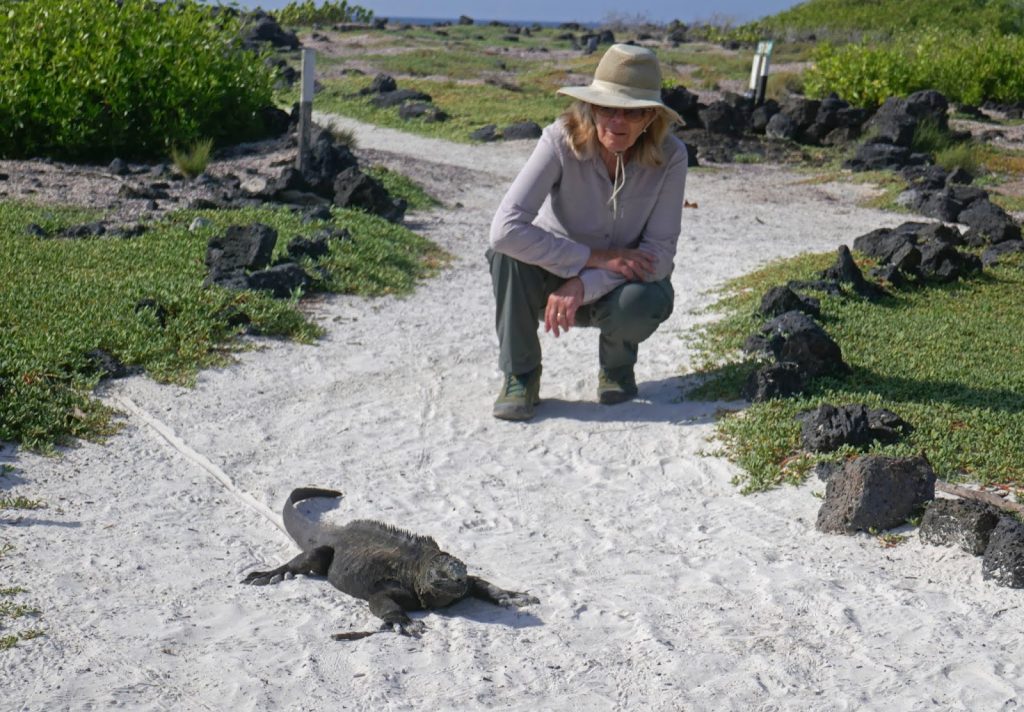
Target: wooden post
x,y
306,107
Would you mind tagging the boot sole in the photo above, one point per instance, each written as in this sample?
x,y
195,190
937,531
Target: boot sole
x,y
513,412
615,397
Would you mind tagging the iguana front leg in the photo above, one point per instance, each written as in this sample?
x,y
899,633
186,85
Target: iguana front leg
x,y
478,588
311,563
384,606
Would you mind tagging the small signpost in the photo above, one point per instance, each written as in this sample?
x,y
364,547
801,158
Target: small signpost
x,y
306,107
759,71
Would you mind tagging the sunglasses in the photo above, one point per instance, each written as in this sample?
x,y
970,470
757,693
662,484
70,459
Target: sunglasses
x,y
608,112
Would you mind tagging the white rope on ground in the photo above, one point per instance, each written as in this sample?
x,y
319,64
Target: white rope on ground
x,y
168,435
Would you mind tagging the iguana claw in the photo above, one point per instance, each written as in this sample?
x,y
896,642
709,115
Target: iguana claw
x,y
518,600
260,578
412,629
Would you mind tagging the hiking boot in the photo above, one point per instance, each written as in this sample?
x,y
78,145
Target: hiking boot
x,y
519,394
616,385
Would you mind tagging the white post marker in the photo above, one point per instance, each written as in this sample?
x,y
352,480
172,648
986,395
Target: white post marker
x,y
765,50
755,70
306,106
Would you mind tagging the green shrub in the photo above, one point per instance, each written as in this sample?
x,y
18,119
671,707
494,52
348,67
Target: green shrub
x,y
844,20
861,74
307,13
967,67
193,160
91,79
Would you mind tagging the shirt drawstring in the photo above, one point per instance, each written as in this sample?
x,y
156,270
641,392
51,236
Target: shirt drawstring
x,y
617,184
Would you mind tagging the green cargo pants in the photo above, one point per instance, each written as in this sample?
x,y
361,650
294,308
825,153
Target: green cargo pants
x,y
626,316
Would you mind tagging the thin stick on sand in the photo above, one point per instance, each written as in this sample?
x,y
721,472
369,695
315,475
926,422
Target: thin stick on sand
x,y
986,497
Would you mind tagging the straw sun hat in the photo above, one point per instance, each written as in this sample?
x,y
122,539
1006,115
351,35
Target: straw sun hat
x,y
627,77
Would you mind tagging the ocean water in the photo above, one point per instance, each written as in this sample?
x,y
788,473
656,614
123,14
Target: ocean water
x,y
428,21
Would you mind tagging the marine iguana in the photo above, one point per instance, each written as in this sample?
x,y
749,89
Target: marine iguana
x,y
395,570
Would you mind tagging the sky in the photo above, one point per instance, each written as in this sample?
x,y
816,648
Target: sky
x,y
688,11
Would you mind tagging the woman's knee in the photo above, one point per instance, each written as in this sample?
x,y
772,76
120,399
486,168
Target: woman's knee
x,y
648,301
637,309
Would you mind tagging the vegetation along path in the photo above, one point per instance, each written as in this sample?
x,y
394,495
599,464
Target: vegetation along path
x,y
661,586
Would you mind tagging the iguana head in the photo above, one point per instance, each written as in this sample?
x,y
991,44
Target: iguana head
x,y
442,581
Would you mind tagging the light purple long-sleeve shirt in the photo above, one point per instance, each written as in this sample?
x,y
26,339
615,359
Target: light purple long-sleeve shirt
x,y
558,208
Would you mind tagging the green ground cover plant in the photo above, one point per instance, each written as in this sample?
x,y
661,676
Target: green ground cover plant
x,y
62,298
400,186
945,358
94,79
484,37
452,63
11,608
468,108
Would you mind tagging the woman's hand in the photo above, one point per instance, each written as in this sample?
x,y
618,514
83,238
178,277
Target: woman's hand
x,y
560,313
634,265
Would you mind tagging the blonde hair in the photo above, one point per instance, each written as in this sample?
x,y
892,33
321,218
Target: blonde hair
x,y
647,151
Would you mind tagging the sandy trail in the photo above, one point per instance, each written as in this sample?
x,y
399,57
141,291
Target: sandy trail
x,y
661,587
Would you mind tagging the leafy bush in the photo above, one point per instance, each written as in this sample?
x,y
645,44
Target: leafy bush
x,y
967,67
307,13
91,79
846,20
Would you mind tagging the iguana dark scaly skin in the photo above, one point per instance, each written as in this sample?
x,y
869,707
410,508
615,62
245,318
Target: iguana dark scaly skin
x,y
394,570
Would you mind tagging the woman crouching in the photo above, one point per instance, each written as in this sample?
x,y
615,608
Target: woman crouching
x,y
586,235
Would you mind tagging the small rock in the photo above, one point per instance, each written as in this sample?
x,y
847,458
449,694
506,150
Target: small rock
x,y
775,380
958,522
319,212
281,280
875,492
256,185
796,338
996,253
779,300
107,365
1004,556
829,427
93,229
485,133
523,130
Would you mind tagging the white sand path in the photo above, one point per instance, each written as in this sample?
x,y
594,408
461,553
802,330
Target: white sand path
x,y
661,587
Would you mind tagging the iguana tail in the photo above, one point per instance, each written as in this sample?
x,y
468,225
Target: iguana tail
x,y
304,531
